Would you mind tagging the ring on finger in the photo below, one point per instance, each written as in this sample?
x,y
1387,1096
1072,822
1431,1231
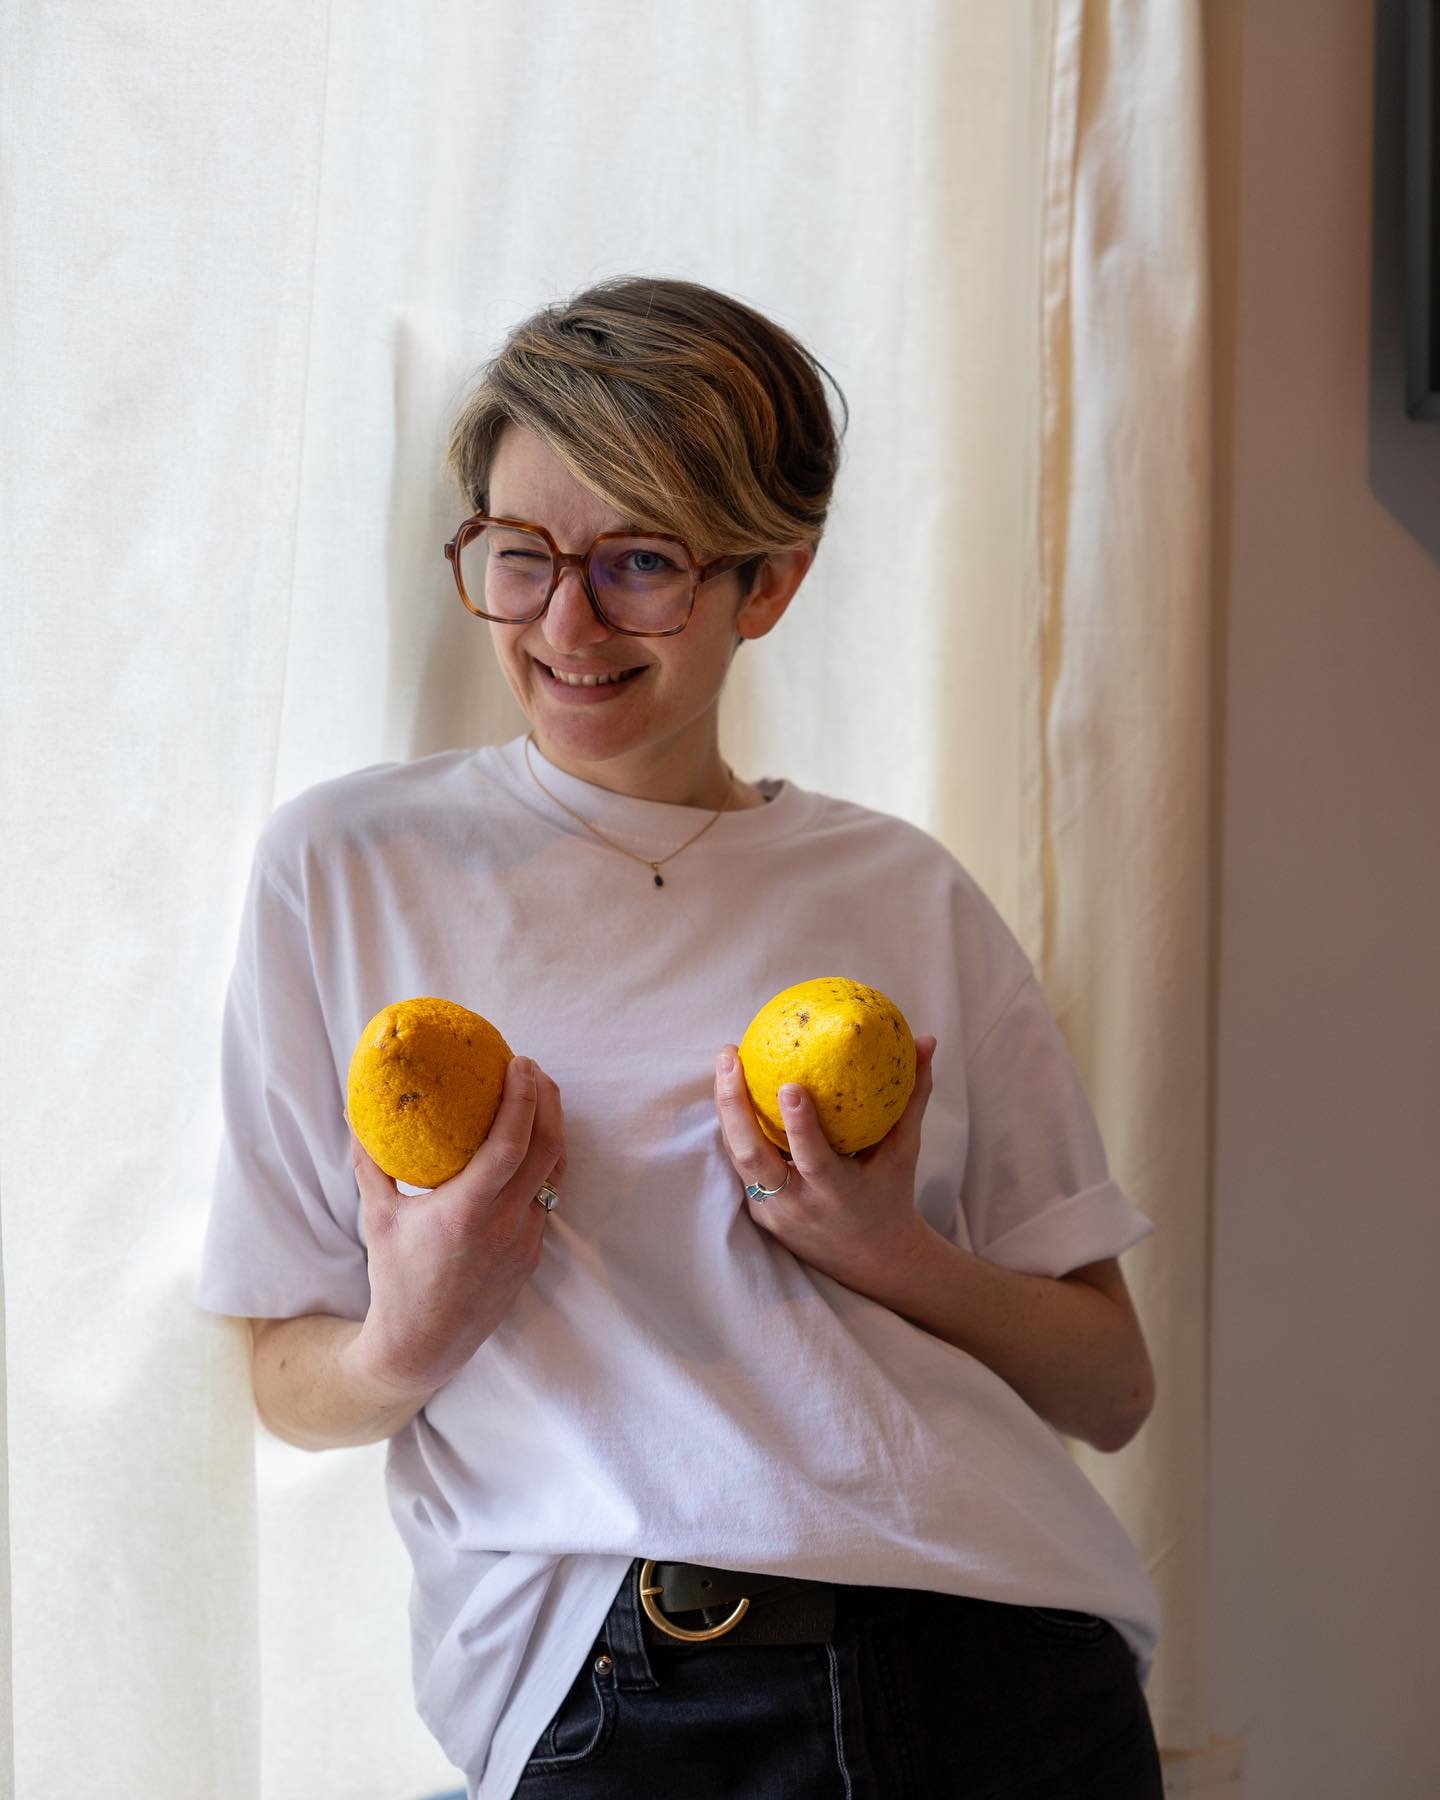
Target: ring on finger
x,y
546,1197
761,1194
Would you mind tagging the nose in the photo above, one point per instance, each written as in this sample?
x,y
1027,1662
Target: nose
x,y
571,622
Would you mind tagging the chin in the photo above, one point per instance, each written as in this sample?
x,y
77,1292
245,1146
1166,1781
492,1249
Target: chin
x,y
586,738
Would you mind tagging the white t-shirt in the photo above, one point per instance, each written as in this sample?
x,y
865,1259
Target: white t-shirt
x,y
671,1382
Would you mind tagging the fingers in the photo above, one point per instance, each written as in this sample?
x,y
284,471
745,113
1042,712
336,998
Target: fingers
x,y
544,1161
526,1143
503,1151
524,1147
755,1158
812,1152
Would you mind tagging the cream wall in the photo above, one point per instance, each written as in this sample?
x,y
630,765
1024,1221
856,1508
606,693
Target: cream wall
x,y
1325,1401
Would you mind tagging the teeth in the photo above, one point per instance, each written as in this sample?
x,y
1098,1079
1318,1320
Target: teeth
x,y
587,680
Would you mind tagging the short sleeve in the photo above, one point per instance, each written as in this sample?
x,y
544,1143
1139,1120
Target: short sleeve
x,y
1037,1194
283,1237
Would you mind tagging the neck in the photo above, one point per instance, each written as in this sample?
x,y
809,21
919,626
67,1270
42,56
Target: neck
x,y
700,779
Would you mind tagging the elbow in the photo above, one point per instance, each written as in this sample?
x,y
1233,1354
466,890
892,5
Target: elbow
x,y
1122,1424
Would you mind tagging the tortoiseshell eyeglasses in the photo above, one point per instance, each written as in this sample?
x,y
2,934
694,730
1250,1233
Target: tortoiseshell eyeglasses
x,y
640,583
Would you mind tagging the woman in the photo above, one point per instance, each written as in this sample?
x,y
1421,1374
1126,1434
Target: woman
x,y
721,1474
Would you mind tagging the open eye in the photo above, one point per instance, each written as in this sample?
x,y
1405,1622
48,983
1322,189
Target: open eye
x,y
645,561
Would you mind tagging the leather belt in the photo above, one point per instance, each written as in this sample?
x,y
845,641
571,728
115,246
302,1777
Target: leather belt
x,y
691,1603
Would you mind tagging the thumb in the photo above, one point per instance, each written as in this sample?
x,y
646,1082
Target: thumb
x,y
370,1178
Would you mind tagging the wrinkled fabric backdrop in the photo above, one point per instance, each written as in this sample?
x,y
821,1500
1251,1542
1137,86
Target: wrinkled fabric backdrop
x,y
252,255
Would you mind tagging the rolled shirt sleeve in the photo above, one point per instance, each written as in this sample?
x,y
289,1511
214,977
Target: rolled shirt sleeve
x,y
1037,1192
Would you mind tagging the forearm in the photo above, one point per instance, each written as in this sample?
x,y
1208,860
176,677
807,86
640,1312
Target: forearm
x,y
312,1387
1073,1354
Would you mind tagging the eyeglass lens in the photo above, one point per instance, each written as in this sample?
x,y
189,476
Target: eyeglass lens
x,y
641,583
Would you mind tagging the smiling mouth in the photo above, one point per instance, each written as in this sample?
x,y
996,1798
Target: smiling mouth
x,y
602,678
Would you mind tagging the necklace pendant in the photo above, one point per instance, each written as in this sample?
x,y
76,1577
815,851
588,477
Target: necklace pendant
x,y
653,867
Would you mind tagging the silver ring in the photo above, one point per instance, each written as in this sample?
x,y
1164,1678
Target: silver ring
x,y
761,1194
547,1196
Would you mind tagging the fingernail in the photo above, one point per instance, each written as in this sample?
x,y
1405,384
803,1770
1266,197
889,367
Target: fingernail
x,y
790,1095
726,1063
523,1066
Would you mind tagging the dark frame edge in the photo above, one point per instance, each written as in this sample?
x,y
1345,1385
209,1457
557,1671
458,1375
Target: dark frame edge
x,y
1422,252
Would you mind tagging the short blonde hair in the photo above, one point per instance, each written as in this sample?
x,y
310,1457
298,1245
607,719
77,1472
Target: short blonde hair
x,y
678,406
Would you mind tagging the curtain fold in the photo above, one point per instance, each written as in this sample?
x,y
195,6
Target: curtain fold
x,y
242,304
1123,675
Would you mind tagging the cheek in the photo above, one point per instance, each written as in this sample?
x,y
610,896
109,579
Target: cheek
x,y
505,642
698,674
711,650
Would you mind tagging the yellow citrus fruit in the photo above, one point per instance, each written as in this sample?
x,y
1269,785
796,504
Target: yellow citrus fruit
x,y
847,1044
424,1088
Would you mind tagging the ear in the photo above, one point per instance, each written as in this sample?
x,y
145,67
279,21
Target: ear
x,y
774,587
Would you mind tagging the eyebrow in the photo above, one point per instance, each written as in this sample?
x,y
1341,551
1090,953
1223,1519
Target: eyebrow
x,y
627,525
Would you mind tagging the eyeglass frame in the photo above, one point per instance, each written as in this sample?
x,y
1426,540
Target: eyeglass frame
x,y
561,560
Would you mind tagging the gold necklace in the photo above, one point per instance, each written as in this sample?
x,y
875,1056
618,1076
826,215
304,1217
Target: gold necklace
x,y
654,867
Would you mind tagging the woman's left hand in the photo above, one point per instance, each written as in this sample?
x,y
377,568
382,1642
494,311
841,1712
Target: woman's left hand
x,y
851,1217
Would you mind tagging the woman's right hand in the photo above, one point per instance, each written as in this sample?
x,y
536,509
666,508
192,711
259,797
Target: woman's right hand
x,y
447,1266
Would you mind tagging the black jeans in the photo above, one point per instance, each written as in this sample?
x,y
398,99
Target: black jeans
x,y
919,1696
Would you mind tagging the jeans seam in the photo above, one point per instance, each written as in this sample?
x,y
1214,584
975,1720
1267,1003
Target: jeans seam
x,y
835,1707
574,1758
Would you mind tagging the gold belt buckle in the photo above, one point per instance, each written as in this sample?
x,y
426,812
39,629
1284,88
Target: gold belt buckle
x,y
656,1617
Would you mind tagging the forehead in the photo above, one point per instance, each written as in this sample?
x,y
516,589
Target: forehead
x,y
528,481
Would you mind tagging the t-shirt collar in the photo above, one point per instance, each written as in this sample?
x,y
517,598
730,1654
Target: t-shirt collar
x,y
655,826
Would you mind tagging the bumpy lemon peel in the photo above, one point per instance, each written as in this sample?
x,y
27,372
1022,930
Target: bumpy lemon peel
x,y
424,1087
847,1044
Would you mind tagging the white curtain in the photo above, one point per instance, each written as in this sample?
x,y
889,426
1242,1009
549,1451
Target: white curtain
x,y
252,253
